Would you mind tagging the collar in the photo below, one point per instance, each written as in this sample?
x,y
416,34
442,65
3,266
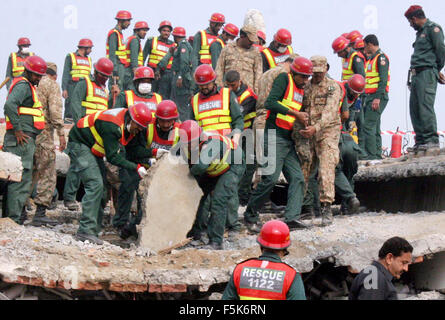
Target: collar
x,y
270,256
241,89
209,31
215,92
383,270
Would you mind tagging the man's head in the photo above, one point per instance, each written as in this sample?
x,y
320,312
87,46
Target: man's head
x,y
103,70
275,237
233,80
248,36
165,29
166,115
51,71
416,17
24,44
35,69
123,19
143,78
141,28
396,255
353,36
190,133
85,47
261,38
320,68
140,116
205,78
341,47
230,32
356,86
371,44
179,34
282,39
301,70
217,20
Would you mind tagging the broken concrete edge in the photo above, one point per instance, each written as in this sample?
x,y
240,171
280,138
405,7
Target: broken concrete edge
x,y
10,167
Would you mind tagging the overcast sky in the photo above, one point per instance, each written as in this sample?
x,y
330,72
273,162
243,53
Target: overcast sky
x,y
55,28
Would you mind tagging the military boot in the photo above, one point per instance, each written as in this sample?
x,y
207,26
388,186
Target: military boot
x,y
71,205
40,218
128,231
351,206
326,214
88,237
432,149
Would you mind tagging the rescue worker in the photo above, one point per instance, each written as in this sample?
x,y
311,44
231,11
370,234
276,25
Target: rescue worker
x,y
134,53
154,50
89,97
353,37
204,38
359,46
77,66
182,80
45,175
212,161
377,88
284,283
116,50
283,105
427,61
17,59
261,40
94,137
230,32
24,122
278,51
161,135
243,57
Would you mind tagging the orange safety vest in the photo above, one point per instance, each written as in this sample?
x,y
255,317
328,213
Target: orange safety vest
x,y
116,116
80,67
121,51
213,113
373,75
128,52
263,280
35,111
275,58
347,71
158,51
248,119
293,99
151,103
18,64
219,166
155,142
96,98
206,41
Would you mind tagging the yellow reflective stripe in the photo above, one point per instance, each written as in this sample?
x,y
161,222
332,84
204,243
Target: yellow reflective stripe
x,y
218,166
269,58
130,97
215,120
251,298
250,116
204,43
31,111
244,96
291,51
150,132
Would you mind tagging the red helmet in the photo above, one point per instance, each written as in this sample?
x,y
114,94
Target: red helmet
x,y
231,29
123,15
353,36
104,66
359,44
24,42
167,110
302,66
283,37
85,43
340,44
36,65
357,83
218,18
141,25
141,114
179,32
274,234
204,74
411,10
144,73
189,130
165,23
345,35
261,35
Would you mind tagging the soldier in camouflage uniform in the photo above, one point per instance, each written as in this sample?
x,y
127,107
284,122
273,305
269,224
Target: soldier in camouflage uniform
x,y
321,101
243,57
45,174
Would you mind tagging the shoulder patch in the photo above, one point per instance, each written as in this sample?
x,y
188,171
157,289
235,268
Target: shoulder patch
x,y
382,62
183,50
422,35
436,29
358,60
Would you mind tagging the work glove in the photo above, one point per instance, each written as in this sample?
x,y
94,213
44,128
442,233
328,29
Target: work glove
x,y
161,152
141,171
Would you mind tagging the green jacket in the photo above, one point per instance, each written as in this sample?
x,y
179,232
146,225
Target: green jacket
x,y
135,46
182,62
148,47
113,44
197,47
79,95
215,51
358,65
383,67
296,291
9,68
66,76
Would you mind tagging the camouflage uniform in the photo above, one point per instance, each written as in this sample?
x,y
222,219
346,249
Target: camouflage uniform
x,y
45,156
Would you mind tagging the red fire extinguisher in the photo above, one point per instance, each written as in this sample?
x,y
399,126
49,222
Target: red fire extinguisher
x,y
396,145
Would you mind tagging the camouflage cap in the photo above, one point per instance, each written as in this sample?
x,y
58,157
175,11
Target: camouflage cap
x,y
251,32
320,63
52,66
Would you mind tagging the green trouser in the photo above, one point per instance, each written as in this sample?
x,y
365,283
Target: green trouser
x,y
128,78
72,180
421,106
163,86
285,159
182,97
233,222
129,186
119,71
372,138
70,89
312,196
347,167
245,189
92,173
18,192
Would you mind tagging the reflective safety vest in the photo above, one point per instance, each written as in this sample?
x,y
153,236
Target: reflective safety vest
x,y
293,99
260,47
80,67
18,64
263,280
35,111
347,72
121,51
151,103
373,75
128,52
158,51
219,166
116,116
96,98
221,42
248,118
213,113
275,58
206,40
155,142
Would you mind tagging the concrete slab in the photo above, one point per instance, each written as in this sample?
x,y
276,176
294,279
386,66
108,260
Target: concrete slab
x,y
10,167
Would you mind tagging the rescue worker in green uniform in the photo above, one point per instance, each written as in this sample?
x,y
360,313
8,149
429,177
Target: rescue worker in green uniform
x,y
134,53
98,135
283,104
182,71
230,32
427,61
213,162
278,51
283,282
89,96
154,50
24,122
77,66
17,59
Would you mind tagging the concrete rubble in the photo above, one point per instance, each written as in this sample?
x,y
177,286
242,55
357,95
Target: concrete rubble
x,y
10,167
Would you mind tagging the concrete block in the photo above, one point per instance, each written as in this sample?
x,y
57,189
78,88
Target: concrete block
x,y
62,163
10,167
